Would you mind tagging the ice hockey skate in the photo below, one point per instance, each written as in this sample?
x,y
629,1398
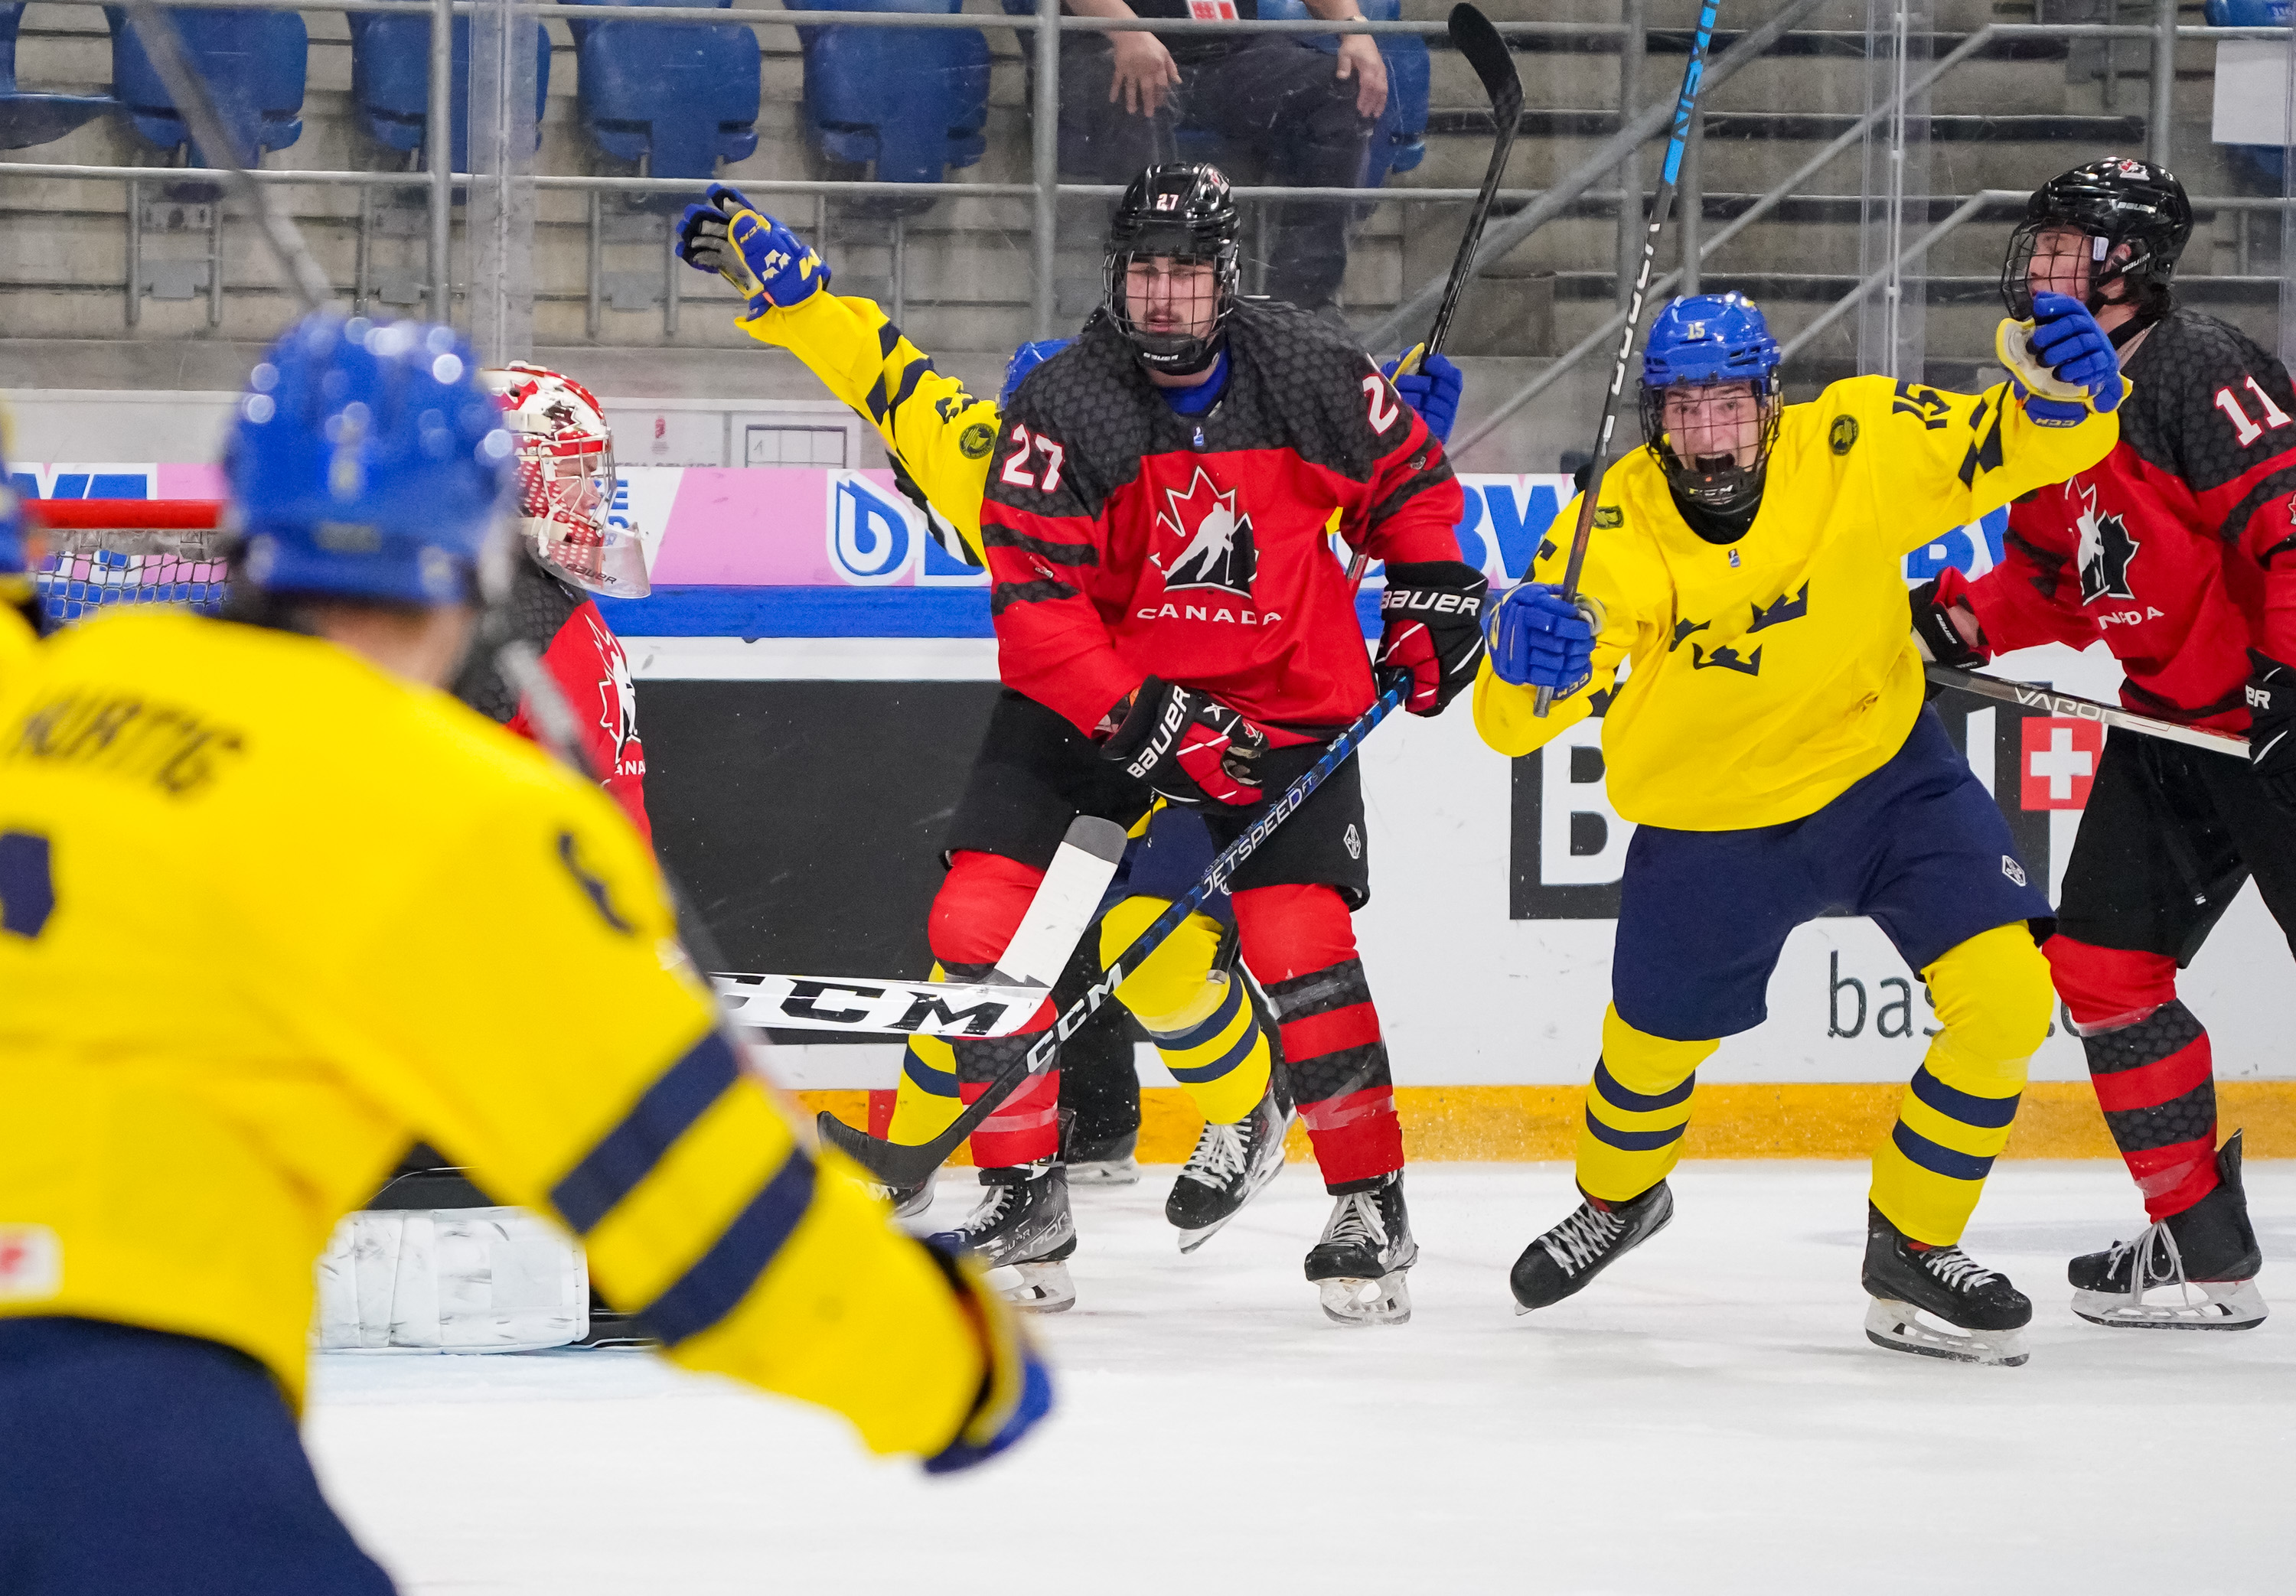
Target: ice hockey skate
x,y
1023,1233
1230,1165
908,1201
1099,1160
1983,1315
1359,1264
1574,1252
2203,1263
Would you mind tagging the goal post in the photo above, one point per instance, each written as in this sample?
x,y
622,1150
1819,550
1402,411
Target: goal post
x,y
102,552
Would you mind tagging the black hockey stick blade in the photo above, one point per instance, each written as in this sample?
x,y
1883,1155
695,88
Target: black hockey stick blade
x,y
910,1164
1474,38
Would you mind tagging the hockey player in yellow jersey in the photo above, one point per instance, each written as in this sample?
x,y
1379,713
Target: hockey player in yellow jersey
x,y
940,437
272,906
1770,740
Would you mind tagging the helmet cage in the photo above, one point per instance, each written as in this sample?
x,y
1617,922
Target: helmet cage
x,y
566,481
1723,485
1182,213
2112,204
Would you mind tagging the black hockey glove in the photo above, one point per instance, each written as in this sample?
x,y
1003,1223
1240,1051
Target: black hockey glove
x,y
1186,745
1432,631
2271,728
1940,640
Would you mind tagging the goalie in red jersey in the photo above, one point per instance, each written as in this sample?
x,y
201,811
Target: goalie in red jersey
x,y
2179,552
1170,621
575,549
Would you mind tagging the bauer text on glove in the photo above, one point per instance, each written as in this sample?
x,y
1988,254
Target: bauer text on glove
x,y
1187,745
1432,630
2272,728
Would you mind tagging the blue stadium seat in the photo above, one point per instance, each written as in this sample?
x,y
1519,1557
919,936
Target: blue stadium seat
x,y
27,119
1399,142
253,63
908,102
681,96
391,80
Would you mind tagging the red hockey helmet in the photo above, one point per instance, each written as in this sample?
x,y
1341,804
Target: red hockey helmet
x,y
566,481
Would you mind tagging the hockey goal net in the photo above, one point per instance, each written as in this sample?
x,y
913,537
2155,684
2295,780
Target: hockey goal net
x,y
107,551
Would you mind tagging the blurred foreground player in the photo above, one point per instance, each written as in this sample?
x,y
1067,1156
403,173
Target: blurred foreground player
x,y
940,438
1772,743
1171,624
271,905
2178,552
23,618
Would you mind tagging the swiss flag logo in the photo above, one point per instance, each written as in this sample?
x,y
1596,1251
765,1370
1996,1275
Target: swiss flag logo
x,y
2059,762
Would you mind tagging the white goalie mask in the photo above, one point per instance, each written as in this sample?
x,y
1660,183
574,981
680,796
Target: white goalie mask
x,y
566,480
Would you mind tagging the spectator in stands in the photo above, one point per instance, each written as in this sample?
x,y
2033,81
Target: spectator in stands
x,y
1124,95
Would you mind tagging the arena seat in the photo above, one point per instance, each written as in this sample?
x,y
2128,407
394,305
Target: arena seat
x,y
253,62
679,96
1399,142
391,80
906,102
27,119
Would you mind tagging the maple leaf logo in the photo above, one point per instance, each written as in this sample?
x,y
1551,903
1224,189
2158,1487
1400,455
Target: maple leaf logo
x,y
617,697
2105,552
1216,550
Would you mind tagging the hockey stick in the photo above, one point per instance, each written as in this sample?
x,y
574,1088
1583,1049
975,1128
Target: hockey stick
x,y
156,32
1474,38
1685,107
1067,903
2074,707
906,1164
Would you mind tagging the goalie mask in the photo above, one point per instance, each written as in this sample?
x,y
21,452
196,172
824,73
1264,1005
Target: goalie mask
x,y
566,481
1171,271
1711,400
2130,221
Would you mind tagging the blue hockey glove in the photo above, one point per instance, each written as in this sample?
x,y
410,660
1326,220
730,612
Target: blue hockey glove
x,y
1432,390
757,255
1540,639
2067,339
1027,358
1016,1392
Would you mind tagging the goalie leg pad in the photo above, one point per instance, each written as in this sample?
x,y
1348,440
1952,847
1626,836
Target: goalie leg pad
x,y
451,1280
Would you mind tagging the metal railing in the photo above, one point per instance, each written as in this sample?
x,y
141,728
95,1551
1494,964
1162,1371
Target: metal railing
x,y
2164,34
1618,154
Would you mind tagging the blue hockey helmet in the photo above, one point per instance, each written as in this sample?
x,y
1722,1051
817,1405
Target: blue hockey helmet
x,y
1027,358
1700,341
367,463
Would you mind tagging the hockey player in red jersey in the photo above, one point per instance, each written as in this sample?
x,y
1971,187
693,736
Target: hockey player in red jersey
x,y
2179,552
565,492
1170,621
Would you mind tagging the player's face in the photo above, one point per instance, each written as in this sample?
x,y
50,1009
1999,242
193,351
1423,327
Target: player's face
x,y
1179,297
1717,421
2064,263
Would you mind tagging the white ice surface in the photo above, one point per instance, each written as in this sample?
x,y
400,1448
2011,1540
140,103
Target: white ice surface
x,y
1707,1418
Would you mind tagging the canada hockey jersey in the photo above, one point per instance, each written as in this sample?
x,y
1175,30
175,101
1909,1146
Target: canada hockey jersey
x,y
1126,540
585,658
2178,549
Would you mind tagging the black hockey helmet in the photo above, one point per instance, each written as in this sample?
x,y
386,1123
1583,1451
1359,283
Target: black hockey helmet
x,y
2115,202
1183,212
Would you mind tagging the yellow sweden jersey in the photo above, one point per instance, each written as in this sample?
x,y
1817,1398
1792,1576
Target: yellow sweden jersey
x,y
17,640
271,914
1767,676
936,431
